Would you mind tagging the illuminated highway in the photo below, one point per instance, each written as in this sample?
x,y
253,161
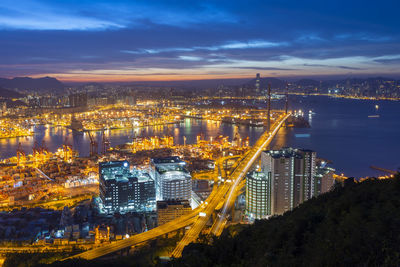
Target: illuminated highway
x,y
243,169
199,216
139,238
230,186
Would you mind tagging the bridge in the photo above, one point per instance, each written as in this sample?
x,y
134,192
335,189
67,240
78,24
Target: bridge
x,y
224,194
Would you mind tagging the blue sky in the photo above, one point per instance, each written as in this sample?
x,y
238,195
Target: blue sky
x,y
171,40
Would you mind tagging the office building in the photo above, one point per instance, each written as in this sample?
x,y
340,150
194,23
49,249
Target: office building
x,y
258,195
309,168
122,190
147,191
292,172
173,181
169,210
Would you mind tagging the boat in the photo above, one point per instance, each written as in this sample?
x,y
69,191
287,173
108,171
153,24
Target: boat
x,y
373,116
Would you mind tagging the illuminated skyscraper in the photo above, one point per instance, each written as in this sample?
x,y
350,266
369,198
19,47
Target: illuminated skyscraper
x,y
173,181
309,168
258,195
122,190
324,180
293,177
258,83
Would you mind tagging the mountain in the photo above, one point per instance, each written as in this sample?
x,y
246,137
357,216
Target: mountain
x,y
308,82
44,84
5,93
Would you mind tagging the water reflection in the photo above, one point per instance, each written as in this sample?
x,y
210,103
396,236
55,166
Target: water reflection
x,y
55,137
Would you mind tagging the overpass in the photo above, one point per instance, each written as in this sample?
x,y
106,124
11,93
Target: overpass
x,y
226,193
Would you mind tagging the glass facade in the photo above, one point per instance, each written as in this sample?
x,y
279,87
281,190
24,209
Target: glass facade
x,y
122,190
258,195
173,181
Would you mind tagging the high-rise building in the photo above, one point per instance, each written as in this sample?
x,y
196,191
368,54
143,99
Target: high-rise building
x,y
258,83
309,168
324,180
146,200
169,210
292,172
78,100
258,195
173,181
124,191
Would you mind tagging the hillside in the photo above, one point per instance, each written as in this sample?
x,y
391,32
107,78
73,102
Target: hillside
x,y
357,225
44,84
5,93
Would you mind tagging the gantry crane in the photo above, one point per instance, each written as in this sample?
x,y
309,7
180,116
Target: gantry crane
x,y
21,157
93,146
67,150
105,143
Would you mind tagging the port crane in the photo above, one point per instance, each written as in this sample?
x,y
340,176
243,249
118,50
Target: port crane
x,y
93,145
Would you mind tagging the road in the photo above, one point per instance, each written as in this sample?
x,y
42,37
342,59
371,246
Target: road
x,y
230,187
199,216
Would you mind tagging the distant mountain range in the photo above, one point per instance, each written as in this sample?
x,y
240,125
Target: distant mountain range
x,y
281,84
27,84
52,85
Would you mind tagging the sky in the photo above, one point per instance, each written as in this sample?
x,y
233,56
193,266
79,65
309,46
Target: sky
x,y
119,40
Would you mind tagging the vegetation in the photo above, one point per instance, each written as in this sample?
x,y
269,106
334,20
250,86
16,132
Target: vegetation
x,y
146,255
357,225
29,259
9,93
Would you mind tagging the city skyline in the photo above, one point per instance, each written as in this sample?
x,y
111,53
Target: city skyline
x,y
108,41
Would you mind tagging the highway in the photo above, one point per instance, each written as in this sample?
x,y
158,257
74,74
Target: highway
x,y
243,169
139,238
199,216
230,186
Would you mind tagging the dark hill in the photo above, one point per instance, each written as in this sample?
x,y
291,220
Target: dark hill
x,y
45,84
5,93
307,82
357,225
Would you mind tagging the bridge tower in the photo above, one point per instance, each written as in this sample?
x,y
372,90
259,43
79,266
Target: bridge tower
x,y
287,98
269,107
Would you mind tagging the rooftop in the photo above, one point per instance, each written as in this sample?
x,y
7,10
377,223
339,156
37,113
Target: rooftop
x,y
257,175
166,160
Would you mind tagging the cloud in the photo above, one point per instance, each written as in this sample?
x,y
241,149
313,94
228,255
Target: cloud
x,y
263,68
229,45
190,58
389,59
105,15
363,36
233,38
34,15
328,66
